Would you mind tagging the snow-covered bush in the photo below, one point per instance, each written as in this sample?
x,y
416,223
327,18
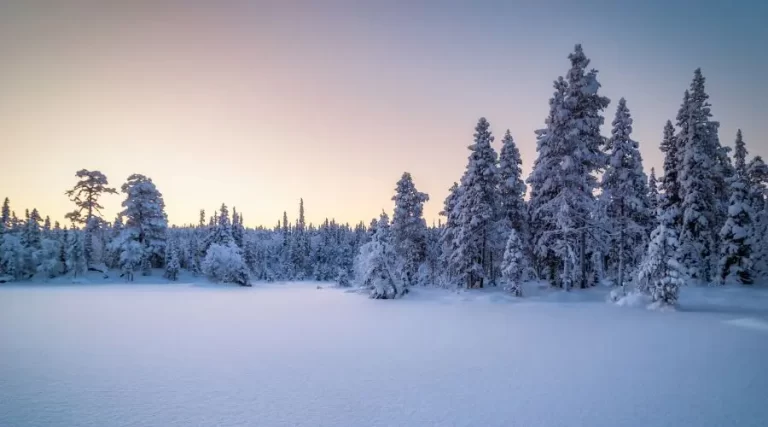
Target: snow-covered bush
x,y
374,264
223,263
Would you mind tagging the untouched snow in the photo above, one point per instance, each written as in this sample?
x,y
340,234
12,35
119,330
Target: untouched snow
x,y
294,355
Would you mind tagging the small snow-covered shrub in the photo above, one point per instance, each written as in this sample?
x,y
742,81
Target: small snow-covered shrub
x,y
631,299
224,263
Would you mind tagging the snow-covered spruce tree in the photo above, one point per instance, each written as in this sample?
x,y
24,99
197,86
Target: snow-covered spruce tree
x,y
625,194
545,184
511,186
740,155
409,229
699,179
512,265
5,216
224,263
660,274
238,231
172,265
221,232
145,219
671,202
653,198
573,146
477,211
735,264
374,264
75,253
757,172
449,232
300,248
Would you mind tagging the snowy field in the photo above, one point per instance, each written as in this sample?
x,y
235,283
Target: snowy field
x,y
294,355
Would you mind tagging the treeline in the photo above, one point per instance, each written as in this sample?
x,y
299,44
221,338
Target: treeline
x,y
591,215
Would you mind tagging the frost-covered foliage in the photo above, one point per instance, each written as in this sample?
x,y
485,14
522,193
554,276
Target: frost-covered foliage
x,y
660,274
477,211
736,236
224,263
375,264
625,196
409,230
513,263
145,219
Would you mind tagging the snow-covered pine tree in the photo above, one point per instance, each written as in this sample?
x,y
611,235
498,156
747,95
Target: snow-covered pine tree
x,y
145,220
699,179
511,186
660,274
737,235
477,210
374,264
86,193
625,195
172,265
409,229
76,253
513,265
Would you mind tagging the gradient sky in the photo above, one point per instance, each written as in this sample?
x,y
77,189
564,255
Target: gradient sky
x,y
259,103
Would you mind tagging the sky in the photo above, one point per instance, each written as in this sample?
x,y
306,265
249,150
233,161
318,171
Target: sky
x,y
260,103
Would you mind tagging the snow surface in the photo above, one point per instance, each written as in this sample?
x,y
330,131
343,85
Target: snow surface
x,y
294,355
